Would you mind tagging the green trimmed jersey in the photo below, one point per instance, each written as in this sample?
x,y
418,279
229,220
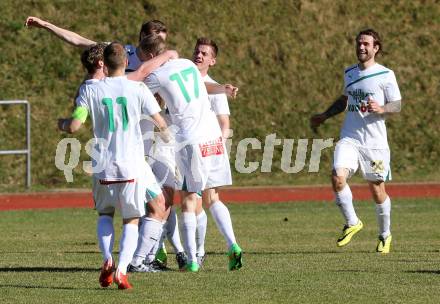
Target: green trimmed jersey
x,y
115,105
180,85
365,128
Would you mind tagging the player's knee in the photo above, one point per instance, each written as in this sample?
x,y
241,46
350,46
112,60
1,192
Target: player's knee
x,y
189,202
156,207
379,194
210,196
160,202
338,183
379,197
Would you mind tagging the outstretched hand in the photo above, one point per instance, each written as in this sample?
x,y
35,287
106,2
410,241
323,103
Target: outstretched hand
x,y
34,21
231,91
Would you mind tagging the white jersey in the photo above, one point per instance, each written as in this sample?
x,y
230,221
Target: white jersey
x,y
87,83
147,126
180,85
365,128
115,105
219,102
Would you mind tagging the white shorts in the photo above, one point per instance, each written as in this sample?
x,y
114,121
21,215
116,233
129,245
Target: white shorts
x,y
163,164
204,166
373,163
128,197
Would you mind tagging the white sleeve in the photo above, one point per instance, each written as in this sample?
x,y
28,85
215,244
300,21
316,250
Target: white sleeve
x,y
391,89
149,104
152,83
83,96
219,104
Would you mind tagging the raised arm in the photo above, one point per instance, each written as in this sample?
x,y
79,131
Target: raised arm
x,y
66,35
150,65
338,106
215,88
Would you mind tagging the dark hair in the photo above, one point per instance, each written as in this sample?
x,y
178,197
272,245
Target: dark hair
x,y
376,38
114,56
153,44
207,41
152,27
91,56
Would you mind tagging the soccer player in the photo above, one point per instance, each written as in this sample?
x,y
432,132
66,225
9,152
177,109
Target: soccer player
x,y
121,176
204,57
370,94
137,69
200,151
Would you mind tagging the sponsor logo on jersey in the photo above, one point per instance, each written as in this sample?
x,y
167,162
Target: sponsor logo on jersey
x,y
359,97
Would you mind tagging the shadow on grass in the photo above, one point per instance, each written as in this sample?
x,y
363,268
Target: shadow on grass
x,y
424,271
48,269
51,251
296,252
55,287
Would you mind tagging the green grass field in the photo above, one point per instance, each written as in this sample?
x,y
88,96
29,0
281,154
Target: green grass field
x,y
287,57
290,257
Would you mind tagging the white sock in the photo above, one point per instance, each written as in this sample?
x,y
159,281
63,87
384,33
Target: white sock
x,y
127,246
149,234
202,222
151,256
189,224
344,200
383,213
222,218
161,243
173,233
106,235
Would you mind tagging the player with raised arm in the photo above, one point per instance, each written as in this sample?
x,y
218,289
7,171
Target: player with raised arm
x,y
370,94
137,68
200,151
120,172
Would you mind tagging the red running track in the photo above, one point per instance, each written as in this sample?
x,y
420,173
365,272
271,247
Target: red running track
x,y
83,199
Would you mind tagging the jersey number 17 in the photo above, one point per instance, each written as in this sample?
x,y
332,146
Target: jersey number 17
x,y
182,79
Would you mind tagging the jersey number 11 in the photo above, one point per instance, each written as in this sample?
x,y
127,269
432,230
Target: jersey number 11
x,y
108,102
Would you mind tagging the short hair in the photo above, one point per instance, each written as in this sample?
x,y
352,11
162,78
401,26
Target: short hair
x,y
152,27
153,44
376,38
91,56
210,42
114,56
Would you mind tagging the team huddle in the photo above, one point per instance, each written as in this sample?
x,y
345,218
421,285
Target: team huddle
x,y
189,151
131,92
